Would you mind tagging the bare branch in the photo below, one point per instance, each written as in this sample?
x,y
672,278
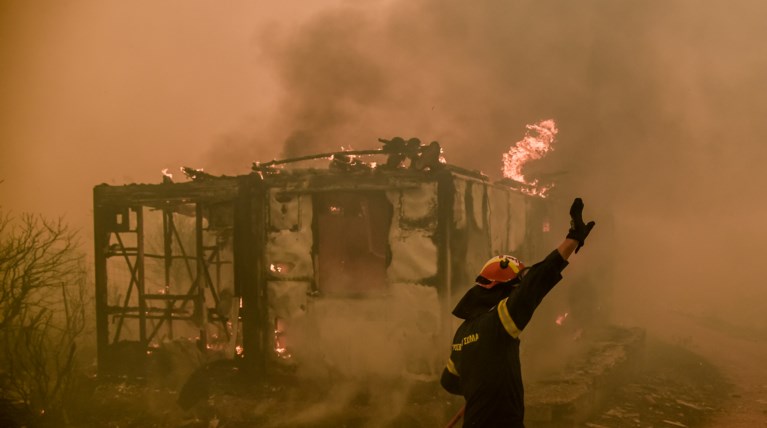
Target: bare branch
x,y
42,311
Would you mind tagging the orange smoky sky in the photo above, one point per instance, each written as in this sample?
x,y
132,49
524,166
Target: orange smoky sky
x,y
660,107
114,92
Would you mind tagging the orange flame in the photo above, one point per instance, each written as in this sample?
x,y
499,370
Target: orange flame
x,y
538,141
279,339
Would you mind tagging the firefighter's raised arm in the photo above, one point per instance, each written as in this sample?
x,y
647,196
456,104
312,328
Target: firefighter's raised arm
x,y
515,312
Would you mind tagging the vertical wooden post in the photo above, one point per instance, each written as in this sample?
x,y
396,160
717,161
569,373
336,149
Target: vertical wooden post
x,y
100,247
201,280
167,225
445,200
141,282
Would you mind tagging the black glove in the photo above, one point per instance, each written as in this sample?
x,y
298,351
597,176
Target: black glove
x,y
578,230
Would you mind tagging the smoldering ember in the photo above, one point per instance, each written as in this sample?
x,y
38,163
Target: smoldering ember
x,y
320,296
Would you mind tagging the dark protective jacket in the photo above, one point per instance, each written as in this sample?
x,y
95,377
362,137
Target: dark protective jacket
x,y
484,362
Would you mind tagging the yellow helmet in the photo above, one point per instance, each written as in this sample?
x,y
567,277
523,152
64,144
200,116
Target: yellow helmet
x,y
498,270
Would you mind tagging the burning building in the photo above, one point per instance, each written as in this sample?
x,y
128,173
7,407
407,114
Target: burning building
x,y
351,268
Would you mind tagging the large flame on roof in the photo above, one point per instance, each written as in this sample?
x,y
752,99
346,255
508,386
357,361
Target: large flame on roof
x,y
537,142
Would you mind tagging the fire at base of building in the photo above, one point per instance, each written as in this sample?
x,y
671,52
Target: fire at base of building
x,y
350,270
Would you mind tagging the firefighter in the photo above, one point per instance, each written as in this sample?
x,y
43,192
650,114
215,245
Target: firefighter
x,y
484,362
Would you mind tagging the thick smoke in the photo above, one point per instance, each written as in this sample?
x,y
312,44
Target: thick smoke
x,y
657,104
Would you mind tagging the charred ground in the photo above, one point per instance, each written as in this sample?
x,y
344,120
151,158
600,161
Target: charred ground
x,y
669,386
675,387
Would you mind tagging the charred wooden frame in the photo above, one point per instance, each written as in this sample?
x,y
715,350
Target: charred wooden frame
x,y
217,207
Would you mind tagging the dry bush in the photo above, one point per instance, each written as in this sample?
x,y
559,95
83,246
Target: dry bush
x,y
42,314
